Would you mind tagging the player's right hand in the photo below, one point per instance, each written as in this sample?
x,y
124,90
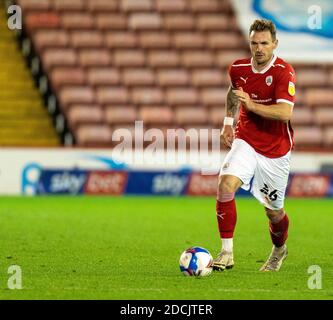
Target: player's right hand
x,y
227,135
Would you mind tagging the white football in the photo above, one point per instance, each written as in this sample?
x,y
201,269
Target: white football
x,y
196,261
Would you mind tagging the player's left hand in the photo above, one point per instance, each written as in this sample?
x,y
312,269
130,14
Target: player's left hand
x,y
244,98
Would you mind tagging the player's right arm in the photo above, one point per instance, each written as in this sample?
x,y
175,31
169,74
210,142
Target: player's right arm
x,y
231,107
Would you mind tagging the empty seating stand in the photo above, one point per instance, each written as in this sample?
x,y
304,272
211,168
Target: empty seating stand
x,y
111,62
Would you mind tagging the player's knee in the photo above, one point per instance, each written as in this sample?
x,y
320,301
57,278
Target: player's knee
x,y
275,216
228,184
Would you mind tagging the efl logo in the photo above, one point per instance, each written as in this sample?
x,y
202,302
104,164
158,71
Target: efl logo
x,y
308,185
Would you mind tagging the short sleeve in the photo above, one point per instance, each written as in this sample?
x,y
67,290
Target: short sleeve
x,y
232,76
285,87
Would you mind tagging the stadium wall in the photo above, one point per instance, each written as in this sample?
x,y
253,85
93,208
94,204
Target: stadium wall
x,y
104,172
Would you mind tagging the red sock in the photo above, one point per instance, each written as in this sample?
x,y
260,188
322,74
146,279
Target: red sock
x,y
226,217
279,231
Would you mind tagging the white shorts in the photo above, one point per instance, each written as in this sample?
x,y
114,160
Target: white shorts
x,y
270,175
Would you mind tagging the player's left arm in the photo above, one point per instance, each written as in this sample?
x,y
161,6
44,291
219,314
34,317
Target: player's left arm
x,y
285,96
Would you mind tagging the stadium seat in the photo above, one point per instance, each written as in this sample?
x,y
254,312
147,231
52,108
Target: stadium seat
x,y
188,40
62,76
145,21
302,116
319,97
102,5
311,77
86,39
323,116
163,58
35,5
197,58
129,58
159,115
58,57
115,21
307,136
94,57
224,58
191,116
95,135
136,6
216,116
224,40
154,40
75,95
213,96
72,5
207,77
205,6
84,114
167,6
173,77
181,96
328,138
116,115
43,39
213,22
146,96
112,95
42,20
179,22
104,76
77,21
138,77
121,39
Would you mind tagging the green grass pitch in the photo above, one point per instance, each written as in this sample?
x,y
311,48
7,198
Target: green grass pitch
x,y
128,248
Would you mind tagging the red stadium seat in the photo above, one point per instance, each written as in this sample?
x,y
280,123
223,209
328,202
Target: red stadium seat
x,y
85,114
224,40
188,40
179,22
319,97
191,116
72,5
94,57
103,76
62,76
87,39
136,6
205,6
308,136
112,95
148,95
213,22
129,58
159,115
216,116
77,21
324,116
41,20
138,77
145,21
181,96
163,58
328,138
311,77
173,77
171,5
43,39
207,77
116,115
213,96
93,136
224,58
58,57
116,39
102,5
302,116
34,5
115,21
197,58
154,40
76,95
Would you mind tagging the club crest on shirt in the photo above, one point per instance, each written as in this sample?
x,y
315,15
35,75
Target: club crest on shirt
x,y
291,88
269,80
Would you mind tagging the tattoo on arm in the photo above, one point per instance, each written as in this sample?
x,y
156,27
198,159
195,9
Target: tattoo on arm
x,y
232,104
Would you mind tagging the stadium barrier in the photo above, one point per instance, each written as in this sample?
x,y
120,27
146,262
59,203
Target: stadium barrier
x,y
100,172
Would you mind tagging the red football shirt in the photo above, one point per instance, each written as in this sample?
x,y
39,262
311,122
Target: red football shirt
x,y
274,84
